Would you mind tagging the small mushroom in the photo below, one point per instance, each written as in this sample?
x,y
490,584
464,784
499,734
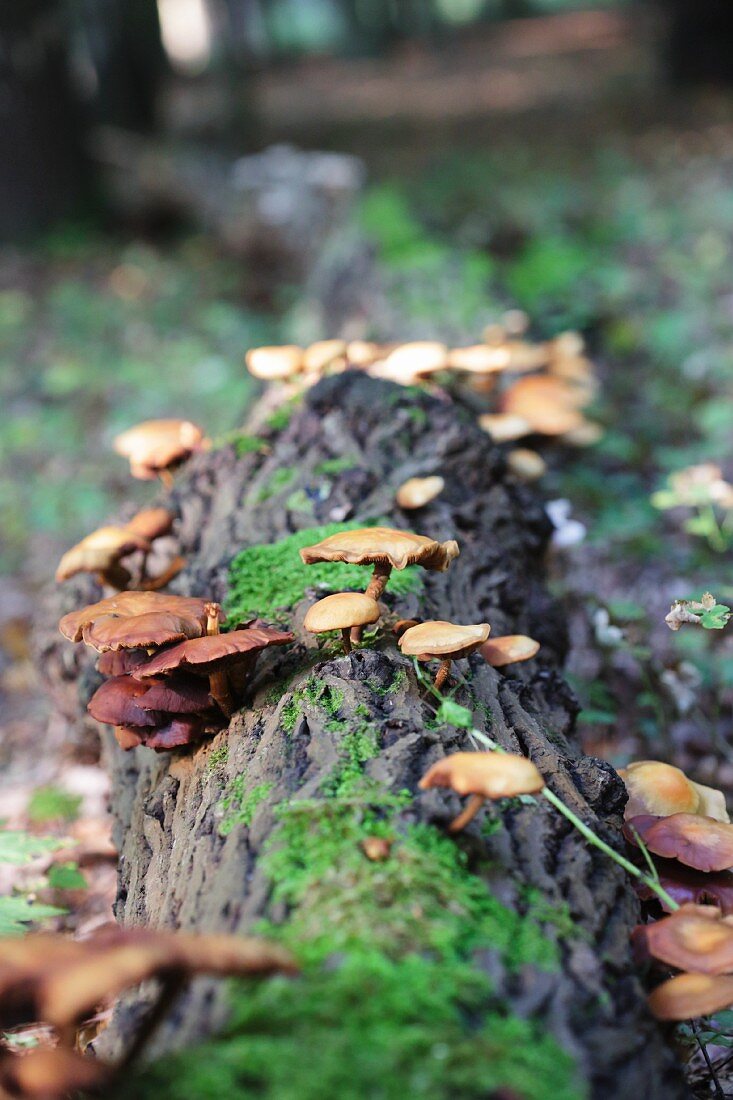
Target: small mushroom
x,y
362,353
274,364
410,363
509,648
161,714
155,447
416,492
376,848
152,523
687,996
549,405
696,841
132,605
526,463
504,427
50,1073
685,884
585,434
479,359
695,937
213,655
156,628
449,641
116,703
343,611
121,662
100,553
483,775
324,354
658,789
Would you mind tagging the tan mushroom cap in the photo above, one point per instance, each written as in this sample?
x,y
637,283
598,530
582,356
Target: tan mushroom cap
x,y
690,995
375,545
550,405
437,638
50,1073
479,359
156,628
696,841
340,611
526,463
416,358
416,492
131,605
152,523
508,648
323,354
362,353
659,789
695,937
155,445
488,774
585,434
505,427
98,551
274,363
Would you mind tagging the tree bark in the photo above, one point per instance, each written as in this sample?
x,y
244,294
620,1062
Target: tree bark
x,y
176,870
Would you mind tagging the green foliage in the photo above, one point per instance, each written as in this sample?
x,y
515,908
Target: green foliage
x,y
53,804
18,847
269,579
238,805
218,757
16,913
66,876
279,480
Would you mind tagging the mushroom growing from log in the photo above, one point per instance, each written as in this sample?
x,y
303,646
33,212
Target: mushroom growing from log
x,y
696,841
142,619
156,447
161,714
549,405
483,775
342,611
100,553
508,649
416,492
274,364
695,937
449,641
661,790
689,995
685,884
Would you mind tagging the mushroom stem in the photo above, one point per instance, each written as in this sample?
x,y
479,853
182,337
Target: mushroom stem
x,y
346,636
166,478
170,988
172,570
116,576
466,815
442,674
219,685
375,590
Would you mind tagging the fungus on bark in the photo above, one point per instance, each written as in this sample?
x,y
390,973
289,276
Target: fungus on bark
x,y
191,612
526,463
508,649
483,775
151,523
411,363
342,611
685,884
324,355
479,359
549,405
689,995
100,553
416,492
504,427
696,841
156,447
449,641
661,790
275,364
694,938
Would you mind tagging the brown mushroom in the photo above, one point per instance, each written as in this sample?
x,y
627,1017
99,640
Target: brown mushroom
x,y
410,363
448,641
479,359
275,364
342,611
509,648
161,714
131,605
689,995
696,841
658,789
685,884
416,492
116,703
526,463
504,427
550,405
152,523
324,354
213,655
50,1073
483,775
100,553
155,447
121,662
695,937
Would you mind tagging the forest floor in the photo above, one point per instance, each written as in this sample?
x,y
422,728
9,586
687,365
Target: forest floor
x,y
623,232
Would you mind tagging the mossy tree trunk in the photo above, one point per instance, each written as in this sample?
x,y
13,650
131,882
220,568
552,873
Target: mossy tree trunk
x,y
453,968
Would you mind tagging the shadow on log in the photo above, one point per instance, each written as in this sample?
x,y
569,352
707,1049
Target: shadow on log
x,y
197,830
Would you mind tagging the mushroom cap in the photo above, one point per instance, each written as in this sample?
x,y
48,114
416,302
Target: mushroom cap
x,y
505,427
274,363
152,523
685,884
98,551
50,1073
157,444
183,729
121,662
436,638
695,937
342,610
116,703
550,405
416,358
526,463
416,492
214,650
696,841
375,545
712,802
322,354
658,789
130,605
479,359
508,648
687,996
156,628
490,774
362,353
585,434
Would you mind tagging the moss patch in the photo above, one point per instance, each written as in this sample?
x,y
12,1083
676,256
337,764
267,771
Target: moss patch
x,y
266,579
238,805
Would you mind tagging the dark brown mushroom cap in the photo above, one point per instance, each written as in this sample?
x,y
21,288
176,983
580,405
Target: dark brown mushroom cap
x,y
689,995
382,545
131,604
50,1073
149,631
215,650
695,937
58,981
121,662
685,884
152,523
185,729
116,703
176,695
694,840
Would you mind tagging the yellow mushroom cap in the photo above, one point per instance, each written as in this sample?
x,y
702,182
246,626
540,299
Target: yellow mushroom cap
x,y
157,444
550,405
342,610
526,463
98,551
691,995
322,354
436,638
416,492
712,802
490,774
658,789
479,359
504,427
373,545
524,356
362,353
508,648
418,357
273,363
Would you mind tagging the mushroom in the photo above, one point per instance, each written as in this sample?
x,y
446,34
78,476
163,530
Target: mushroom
x,y
685,884
161,714
119,663
696,841
689,995
409,363
343,611
483,775
509,648
190,610
661,790
100,553
152,523
479,359
549,405
214,654
526,463
416,492
695,937
448,641
274,364
585,434
155,447
362,353
504,427
50,1073
323,354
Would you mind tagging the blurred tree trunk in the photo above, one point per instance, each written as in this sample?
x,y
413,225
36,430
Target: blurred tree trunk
x,y
42,167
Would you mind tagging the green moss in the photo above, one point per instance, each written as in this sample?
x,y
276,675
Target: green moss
x,y
266,579
318,694
398,682
278,480
53,804
238,805
281,417
218,757
248,444
333,466
299,501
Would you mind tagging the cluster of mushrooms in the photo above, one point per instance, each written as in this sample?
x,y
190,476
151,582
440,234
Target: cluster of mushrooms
x,y
50,979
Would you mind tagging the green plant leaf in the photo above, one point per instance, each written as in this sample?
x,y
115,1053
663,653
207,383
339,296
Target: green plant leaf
x,y
16,912
17,847
66,876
